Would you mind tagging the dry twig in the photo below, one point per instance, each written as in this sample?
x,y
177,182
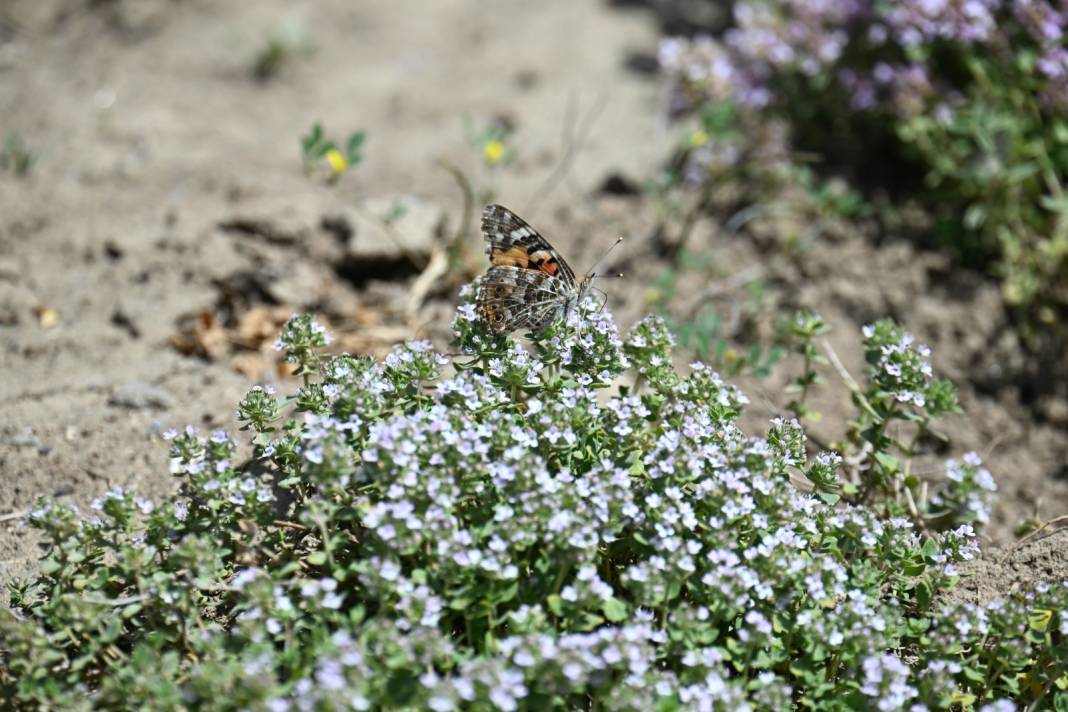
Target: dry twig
x,y
11,516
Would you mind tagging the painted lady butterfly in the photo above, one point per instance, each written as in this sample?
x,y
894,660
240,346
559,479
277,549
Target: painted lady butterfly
x,y
529,284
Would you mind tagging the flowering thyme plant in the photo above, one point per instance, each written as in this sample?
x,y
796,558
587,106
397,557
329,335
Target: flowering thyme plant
x,y
973,92
898,405
562,523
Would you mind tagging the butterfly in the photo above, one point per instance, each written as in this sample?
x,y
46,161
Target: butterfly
x,y
529,284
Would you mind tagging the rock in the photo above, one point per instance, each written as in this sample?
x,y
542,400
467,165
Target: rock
x,y
26,439
388,230
137,394
278,222
299,285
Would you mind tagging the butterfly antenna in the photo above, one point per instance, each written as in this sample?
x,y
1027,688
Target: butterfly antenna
x,y
593,271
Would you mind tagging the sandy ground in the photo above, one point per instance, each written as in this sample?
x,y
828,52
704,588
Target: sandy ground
x,y
154,141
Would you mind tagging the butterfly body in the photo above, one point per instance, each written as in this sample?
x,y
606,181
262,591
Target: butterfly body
x,y
529,284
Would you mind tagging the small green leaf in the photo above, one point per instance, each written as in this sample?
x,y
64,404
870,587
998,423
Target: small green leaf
x,y
615,610
931,548
961,699
460,603
889,463
312,139
1039,619
918,626
924,593
507,593
914,567
353,145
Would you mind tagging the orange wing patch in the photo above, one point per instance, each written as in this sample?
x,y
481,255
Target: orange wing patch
x,y
516,256
546,262
511,257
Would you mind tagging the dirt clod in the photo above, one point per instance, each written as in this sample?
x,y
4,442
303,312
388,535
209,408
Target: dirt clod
x,y
136,394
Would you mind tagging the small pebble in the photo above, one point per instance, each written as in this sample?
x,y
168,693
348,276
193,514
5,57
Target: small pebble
x,y
26,439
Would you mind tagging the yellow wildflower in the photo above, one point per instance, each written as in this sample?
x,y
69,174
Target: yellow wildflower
x,y
493,151
338,163
698,138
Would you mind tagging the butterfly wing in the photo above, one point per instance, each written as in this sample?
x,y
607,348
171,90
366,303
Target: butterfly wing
x,y
511,242
511,298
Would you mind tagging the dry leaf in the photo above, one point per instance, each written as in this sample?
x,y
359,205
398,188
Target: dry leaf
x,y
205,337
260,325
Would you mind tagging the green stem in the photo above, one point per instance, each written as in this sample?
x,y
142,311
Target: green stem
x,y
875,440
469,630
690,220
561,576
798,406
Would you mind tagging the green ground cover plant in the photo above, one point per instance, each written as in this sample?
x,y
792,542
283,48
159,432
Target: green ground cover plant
x,y
955,104
562,522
